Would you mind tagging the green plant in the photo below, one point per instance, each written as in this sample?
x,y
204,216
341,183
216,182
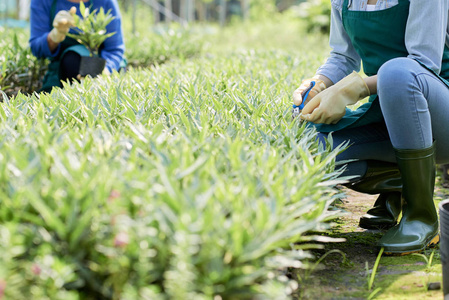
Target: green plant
x,y
163,44
208,186
316,14
427,260
91,28
19,69
373,293
374,271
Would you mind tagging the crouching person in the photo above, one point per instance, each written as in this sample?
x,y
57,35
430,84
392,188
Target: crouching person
x,y
397,137
52,20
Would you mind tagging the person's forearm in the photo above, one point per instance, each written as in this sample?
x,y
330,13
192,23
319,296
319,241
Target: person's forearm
x,y
52,45
371,82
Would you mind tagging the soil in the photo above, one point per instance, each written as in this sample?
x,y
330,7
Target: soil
x,y
345,270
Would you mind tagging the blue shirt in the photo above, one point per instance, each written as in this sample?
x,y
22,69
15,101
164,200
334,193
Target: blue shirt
x,y
40,19
425,37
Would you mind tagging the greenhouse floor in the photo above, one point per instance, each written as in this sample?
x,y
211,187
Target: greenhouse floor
x,y
346,271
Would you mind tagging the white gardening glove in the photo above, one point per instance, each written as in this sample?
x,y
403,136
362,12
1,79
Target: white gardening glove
x,y
306,91
329,106
61,25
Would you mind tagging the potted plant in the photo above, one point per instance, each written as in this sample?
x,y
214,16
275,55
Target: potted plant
x,y
91,32
444,244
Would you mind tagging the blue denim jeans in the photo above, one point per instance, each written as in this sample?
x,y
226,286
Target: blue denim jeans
x,y
415,106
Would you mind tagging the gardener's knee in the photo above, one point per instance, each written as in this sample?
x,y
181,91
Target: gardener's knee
x,y
396,81
397,74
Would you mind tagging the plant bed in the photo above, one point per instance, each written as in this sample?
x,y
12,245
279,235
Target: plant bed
x,y
19,69
178,182
444,242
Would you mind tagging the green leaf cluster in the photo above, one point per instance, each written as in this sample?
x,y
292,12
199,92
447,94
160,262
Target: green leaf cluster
x,y
19,69
91,28
316,14
160,45
183,181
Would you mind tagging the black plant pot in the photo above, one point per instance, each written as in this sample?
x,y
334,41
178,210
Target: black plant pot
x,y
444,244
92,65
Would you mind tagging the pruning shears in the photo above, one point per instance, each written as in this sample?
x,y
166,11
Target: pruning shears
x,y
297,108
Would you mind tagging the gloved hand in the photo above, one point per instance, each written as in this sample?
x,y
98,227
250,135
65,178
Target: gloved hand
x,y
329,106
319,87
61,25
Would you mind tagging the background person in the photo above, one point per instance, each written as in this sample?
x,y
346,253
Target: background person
x,y
50,22
397,136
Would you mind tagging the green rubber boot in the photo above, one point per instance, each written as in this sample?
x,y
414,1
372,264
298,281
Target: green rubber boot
x,y
418,227
384,213
385,179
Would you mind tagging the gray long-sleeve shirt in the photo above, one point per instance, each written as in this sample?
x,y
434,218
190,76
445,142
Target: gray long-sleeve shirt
x,y
426,34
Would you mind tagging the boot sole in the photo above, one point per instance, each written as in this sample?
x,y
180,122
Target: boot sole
x,y
366,225
431,244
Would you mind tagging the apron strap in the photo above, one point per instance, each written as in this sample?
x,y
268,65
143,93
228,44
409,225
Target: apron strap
x,y
52,12
347,4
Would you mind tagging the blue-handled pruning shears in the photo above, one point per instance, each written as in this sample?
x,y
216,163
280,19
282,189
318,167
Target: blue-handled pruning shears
x,y
297,108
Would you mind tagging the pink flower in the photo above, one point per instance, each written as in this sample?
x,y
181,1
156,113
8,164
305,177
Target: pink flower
x,y
121,240
36,269
113,195
2,288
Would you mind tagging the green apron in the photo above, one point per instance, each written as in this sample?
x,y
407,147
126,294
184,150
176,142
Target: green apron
x,y
52,77
377,36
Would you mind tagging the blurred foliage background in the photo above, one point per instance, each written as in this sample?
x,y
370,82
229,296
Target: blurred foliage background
x,y
153,38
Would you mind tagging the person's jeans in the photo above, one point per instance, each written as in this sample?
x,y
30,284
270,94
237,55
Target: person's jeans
x,y
415,106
